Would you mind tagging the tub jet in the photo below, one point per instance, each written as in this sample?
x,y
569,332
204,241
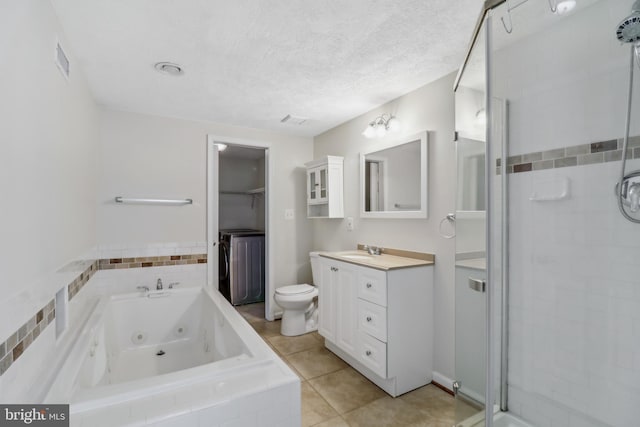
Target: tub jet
x,y
160,353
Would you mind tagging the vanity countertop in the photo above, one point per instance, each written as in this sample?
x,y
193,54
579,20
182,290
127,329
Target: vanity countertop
x,y
474,263
389,260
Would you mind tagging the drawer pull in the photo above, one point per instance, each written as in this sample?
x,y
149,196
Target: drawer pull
x,y
368,285
368,318
368,352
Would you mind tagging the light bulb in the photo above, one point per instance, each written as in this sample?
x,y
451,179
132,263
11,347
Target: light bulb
x,y
565,6
369,132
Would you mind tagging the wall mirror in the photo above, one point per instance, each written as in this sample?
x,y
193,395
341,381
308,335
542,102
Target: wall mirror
x,y
471,175
393,179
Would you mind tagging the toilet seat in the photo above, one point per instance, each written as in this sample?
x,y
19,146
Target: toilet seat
x,y
295,290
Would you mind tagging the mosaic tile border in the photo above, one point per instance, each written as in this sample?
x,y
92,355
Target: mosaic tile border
x,y
152,261
18,342
575,155
78,283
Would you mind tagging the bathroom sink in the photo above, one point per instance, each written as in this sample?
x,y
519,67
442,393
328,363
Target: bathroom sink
x,y
357,257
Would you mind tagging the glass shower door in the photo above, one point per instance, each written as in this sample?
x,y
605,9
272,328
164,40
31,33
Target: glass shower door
x,y
570,262
470,266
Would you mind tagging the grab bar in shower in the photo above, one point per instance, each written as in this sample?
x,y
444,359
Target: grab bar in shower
x,y
138,201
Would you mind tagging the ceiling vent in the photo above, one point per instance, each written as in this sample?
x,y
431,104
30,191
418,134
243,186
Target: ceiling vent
x,y
293,120
62,61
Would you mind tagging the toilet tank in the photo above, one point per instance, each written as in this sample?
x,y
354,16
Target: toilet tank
x,y
315,267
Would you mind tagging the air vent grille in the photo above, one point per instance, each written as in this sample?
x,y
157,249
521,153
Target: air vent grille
x,y
293,120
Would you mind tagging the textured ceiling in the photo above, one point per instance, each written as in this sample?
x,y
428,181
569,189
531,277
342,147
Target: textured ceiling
x,y
252,62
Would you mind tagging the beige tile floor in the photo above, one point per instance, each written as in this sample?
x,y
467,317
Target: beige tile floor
x,y
336,395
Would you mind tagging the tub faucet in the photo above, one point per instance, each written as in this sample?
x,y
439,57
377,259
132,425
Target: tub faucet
x,y
159,284
144,289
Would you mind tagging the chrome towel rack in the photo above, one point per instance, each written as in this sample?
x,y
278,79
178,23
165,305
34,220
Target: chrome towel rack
x,y
140,201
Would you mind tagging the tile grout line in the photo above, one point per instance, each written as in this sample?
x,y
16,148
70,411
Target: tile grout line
x,y
306,380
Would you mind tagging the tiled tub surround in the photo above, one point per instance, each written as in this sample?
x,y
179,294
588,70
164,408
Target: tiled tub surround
x,y
152,256
78,283
576,155
18,342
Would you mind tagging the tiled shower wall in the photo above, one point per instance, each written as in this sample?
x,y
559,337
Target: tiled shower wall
x,y
574,307
121,257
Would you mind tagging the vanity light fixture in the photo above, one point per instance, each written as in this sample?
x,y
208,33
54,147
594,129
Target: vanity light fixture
x,y
380,125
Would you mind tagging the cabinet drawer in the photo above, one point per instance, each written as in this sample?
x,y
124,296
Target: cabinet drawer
x,y
372,319
373,354
372,286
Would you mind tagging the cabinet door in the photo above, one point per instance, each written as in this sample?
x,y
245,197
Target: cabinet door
x,y
327,301
323,194
317,184
313,185
347,307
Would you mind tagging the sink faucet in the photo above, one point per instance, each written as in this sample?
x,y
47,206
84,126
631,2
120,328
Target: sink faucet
x,y
159,284
372,250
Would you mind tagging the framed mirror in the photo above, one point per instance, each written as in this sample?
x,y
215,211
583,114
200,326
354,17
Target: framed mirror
x,y
393,179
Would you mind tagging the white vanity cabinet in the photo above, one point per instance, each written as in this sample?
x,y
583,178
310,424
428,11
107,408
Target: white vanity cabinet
x,y
325,187
379,321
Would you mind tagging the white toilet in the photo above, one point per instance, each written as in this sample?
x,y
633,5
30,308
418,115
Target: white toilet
x,y
298,302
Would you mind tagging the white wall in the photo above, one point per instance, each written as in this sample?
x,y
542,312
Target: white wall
x,y
149,156
574,350
47,161
240,175
427,108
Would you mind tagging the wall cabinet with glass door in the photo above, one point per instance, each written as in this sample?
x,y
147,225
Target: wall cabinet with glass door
x,y
325,188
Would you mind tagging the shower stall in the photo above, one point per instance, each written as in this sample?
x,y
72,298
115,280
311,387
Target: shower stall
x,y
548,205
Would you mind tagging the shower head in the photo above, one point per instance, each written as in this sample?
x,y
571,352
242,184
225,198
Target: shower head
x,y
628,30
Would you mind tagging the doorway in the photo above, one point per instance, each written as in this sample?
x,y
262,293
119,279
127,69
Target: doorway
x,y
238,221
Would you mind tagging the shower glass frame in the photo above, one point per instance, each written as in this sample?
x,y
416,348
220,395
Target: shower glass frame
x,y
497,203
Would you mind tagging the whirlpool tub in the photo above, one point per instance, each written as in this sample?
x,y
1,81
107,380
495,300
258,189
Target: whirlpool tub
x,y
149,357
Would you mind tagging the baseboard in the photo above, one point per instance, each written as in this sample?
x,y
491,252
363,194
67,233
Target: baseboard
x,y
442,382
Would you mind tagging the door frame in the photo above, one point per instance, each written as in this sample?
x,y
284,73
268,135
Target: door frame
x,y
213,206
